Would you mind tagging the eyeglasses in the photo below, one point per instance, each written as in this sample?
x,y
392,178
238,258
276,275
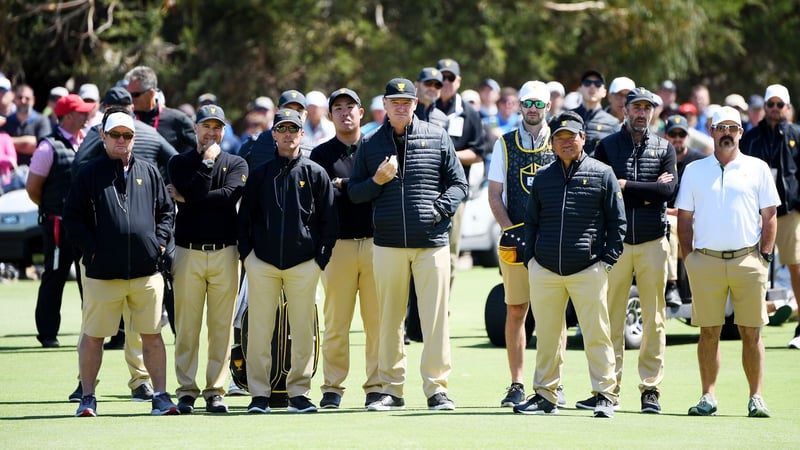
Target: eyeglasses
x,y
116,135
448,76
726,128
780,105
139,94
433,83
531,103
285,128
677,134
596,83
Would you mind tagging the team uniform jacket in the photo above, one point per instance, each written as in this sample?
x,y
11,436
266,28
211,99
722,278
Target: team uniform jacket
x,y
575,216
645,200
431,179
779,149
287,215
120,224
208,215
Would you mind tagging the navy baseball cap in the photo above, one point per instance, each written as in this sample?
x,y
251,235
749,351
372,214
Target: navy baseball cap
x,y
449,65
340,92
430,73
288,116
292,96
400,88
117,96
210,112
569,121
593,72
676,122
640,94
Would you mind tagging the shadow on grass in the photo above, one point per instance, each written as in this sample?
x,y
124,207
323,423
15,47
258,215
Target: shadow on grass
x,y
38,349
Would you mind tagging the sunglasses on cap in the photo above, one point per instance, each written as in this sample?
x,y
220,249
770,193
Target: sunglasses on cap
x,y
527,104
448,76
596,83
726,128
677,134
771,104
116,135
433,83
285,128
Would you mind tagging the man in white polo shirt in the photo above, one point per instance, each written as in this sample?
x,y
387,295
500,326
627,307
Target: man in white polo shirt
x,y
735,193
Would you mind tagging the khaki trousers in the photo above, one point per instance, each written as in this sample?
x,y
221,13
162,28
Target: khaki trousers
x,y
264,283
549,295
348,273
649,261
204,280
431,269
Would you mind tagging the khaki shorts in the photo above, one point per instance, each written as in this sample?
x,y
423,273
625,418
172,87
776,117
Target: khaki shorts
x,y
515,283
712,278
104,300
788,238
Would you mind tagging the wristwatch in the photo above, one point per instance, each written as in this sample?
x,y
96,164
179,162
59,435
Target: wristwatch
x,y
208,163
608,267
437,216
768,257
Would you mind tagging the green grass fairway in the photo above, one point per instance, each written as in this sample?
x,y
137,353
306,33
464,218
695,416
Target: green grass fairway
x,y
34,384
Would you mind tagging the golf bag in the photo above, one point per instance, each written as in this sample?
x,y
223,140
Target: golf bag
x,y
281,348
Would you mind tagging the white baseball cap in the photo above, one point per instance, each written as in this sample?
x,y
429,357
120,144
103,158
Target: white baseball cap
x,y
726,113
90,92
534,90
377,103
555,86
621,84
777,90
737,101
119,119
316,98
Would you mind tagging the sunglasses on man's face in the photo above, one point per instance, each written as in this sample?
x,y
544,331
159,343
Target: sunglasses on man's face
x,y
448,76
596,83
433,84
139,94
116,135
726,128
780,105
284,128
677,134
527,104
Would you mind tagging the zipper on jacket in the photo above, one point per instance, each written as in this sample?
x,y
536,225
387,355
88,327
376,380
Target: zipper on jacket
x,y
561,227
401,175
283,215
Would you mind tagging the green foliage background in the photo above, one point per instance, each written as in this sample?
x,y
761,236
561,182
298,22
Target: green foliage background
x,y
246,48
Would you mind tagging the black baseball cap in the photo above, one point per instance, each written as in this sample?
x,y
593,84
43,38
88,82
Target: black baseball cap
x,y
449,65
292,96
117,96
288,115
593,72
640,94
430,73
340,92
567,120
210,112
676,121
400,88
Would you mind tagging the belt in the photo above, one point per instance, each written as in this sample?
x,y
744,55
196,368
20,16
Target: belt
x,y
207,247
728,254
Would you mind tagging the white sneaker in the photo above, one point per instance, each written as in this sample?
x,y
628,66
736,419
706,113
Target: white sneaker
x,y
795,343
233,389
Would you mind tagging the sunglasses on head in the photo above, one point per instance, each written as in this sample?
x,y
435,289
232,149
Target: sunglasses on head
x,y
676,134
285,128
726,128
433,83
116,135
448,76
780,105
531,103
596,83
